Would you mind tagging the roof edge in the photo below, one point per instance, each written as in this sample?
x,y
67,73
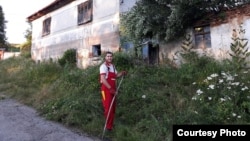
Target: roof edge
x,y
49,8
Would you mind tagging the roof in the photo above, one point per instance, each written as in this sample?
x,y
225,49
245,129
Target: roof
x,y
226,15
51,7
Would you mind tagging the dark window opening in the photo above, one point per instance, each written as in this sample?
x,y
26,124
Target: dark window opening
x,y
46,26
150,54
85,12
202,37
96,49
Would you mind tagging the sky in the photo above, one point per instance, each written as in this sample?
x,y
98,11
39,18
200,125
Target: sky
x,y
16,13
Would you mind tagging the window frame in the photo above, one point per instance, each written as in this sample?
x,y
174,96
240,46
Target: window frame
x,y
85,11
46,26
96,50
204,33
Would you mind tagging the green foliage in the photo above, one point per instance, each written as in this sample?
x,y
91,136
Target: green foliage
x,y
12,48
124,61
239,49
224,96
139,23
69,58
26,46
3,39
186,54
187,44
26,79
168,19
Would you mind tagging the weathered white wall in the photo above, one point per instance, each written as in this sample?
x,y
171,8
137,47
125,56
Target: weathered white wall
x,y
66,34
221,39
221,36
10,54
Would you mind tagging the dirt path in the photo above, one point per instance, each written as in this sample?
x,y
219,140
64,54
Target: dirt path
x,y
21,123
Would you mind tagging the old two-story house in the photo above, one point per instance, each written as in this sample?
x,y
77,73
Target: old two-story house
x,y
89,26
92,27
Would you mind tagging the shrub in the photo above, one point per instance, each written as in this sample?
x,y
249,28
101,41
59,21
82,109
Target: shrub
x,y
123,61
239,49
69,58
224,96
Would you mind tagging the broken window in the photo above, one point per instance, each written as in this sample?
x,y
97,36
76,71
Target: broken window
x,y
202,37
96,49
46,26
85,12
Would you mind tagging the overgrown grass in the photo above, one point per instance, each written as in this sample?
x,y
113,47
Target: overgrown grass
x,y
151,98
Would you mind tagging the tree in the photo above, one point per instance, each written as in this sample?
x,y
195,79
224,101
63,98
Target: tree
x,y
167,20
26,46
3,43
145,20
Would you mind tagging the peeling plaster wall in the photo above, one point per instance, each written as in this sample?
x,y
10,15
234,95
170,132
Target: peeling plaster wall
x,y
66,34
221,36
221,39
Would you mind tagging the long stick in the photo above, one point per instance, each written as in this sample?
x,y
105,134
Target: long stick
x,y
110,107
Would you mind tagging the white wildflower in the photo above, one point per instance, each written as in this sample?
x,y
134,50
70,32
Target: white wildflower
x,y
230,78
235,83
209,78
222,99
221,80
245,88
199,92
233,114
143,96
209,98
223,73
238,116
194,98
214,75
211,86
194,83
229,88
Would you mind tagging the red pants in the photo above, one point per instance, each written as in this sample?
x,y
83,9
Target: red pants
x,y
106,101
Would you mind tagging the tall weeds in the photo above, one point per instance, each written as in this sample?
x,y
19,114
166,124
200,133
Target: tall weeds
x,y
150,99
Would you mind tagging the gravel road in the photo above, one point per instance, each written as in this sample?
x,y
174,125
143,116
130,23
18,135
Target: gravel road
x,y
21,123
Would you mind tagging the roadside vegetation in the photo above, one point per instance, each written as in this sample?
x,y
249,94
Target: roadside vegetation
x,y
151,98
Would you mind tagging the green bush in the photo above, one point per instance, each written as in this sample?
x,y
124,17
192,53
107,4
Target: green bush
x,y
69,58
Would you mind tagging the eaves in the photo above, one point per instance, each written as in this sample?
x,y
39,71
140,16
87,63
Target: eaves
x,y
51,7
